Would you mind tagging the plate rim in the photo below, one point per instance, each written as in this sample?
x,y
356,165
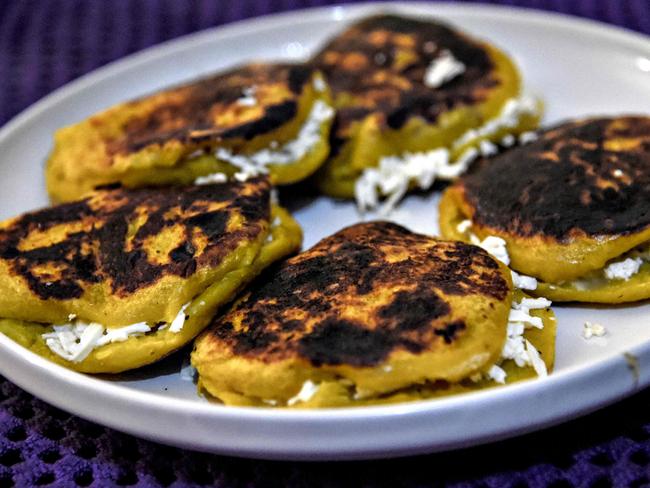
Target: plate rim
x,y
614,364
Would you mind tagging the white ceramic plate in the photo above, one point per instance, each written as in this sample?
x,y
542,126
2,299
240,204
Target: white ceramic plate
x,y
580,67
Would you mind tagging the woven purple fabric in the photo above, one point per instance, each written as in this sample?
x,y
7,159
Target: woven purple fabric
x,y
43,45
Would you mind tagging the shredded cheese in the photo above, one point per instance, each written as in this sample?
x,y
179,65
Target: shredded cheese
x,y
623,270
211,178
75,340
308,390
527,137
516,347
391,178
591,329
248,97
251,165
443,69
179,321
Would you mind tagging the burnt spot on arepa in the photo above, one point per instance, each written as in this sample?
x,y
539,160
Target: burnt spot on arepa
x,y
206,111
381,63
131,239
589,176
359,295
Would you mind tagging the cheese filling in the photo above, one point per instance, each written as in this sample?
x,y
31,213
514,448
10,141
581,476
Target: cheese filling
x,y
516,348
623,270
591,329
75,340
628,265
443,69
248,97
308,390
391,178
250,165
211,178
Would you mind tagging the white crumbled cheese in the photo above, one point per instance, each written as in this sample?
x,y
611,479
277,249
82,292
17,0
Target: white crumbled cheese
x,y
443,69
627,266
458,167
187,371
623,270
242,176
487,148
250,165
497,374
393,174
179,321
535,360
520,312
509,118
308,390
514,347
496,247
391,178
121,334
319,84
618,173
523,282
211,178
274,196
517,348
464,226
508,140
527,137
534,303
74,341
591,329
248,97
523,317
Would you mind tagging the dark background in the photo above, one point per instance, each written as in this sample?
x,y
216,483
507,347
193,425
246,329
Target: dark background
x,y
43,45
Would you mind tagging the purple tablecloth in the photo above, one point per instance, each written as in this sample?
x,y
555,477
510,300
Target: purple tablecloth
x,y
44,44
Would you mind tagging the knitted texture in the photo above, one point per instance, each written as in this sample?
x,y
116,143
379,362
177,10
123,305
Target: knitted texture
x,y
45,44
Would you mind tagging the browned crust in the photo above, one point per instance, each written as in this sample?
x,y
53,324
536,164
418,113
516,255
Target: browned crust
x,y
588,177
381,62
357,296
100,245
187,113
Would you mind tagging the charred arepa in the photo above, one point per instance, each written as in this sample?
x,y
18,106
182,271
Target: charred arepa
x,y
415,100
573,208
255,119
374,313
122,278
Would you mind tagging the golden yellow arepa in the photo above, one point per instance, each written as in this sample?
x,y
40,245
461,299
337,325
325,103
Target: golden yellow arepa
x,y
371,314
573,207
258,118
406,88
122,278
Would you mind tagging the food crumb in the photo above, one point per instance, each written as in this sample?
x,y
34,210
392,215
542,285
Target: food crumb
x,y
591,329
